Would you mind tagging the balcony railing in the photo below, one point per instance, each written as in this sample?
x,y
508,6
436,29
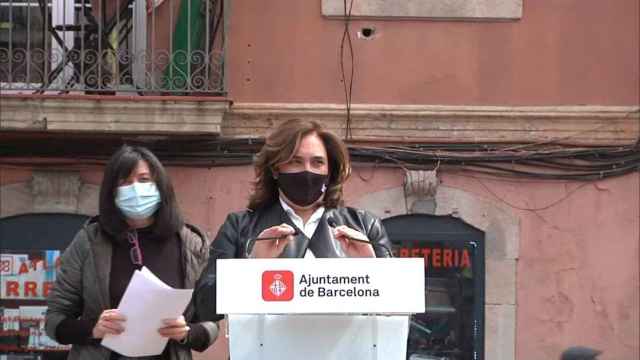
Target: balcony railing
x,y
148,47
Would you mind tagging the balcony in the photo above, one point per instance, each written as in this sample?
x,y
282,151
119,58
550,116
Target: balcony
x,y
113,66
112,47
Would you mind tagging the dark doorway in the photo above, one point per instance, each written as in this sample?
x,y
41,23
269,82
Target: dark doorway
x,y
452,328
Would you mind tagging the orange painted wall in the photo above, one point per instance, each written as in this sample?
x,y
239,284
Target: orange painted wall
x,y
560,53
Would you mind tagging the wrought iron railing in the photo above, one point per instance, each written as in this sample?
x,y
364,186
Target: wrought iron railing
x,y
112,46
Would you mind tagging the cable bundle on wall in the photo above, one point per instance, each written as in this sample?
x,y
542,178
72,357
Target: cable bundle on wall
x,y
552,163
534,161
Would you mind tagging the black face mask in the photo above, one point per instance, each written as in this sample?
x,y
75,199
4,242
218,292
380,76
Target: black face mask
x,y
302,188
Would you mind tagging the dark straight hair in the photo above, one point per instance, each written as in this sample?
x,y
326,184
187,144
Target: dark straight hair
x,y
167,219
281,145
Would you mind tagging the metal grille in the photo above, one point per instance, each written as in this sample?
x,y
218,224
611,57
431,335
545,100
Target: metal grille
x,y
152,47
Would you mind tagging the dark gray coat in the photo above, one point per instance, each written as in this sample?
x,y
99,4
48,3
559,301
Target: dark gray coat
x,y
81,289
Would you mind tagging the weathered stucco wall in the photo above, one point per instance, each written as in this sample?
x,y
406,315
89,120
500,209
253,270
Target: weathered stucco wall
x,y
578,267
577,254
560,53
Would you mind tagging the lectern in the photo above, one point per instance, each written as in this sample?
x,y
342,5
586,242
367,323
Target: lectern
x,y
355,309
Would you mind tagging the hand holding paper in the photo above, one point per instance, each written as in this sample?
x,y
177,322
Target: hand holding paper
x,y
110,322
175,329
146,302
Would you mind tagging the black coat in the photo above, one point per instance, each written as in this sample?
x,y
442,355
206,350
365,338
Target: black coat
x,y
236,234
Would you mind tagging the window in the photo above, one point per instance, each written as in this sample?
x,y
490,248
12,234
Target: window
x,y
108,46
28,50
29,257
452,327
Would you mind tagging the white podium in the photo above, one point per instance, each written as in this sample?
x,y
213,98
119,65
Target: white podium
x,y
319,308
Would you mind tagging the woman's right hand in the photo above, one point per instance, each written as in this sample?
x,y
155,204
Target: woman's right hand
x,y
273,248
109,322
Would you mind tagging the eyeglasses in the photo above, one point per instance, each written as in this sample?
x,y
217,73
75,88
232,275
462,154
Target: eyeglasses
x,y
136,252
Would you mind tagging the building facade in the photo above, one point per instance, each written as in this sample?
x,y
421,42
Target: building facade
x,y
519,119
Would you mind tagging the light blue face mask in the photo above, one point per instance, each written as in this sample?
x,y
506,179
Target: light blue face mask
x,y
138,200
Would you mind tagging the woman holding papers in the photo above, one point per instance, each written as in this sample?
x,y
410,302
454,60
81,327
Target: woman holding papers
x,y
139,225
295,209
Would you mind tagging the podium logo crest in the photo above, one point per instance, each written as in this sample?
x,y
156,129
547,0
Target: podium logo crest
x,y
277,285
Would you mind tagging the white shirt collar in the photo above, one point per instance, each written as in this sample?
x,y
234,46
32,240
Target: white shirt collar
x,y
310,227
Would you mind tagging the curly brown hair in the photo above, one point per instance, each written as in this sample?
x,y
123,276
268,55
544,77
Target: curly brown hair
x,y
281,145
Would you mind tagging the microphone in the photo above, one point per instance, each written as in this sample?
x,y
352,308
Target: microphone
x,y
332,223
251,242
295,233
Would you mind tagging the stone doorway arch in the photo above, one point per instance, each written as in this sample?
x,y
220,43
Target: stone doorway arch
x,y
50,192
502,235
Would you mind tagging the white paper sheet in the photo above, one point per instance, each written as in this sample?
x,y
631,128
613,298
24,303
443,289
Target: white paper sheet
x,y
146,301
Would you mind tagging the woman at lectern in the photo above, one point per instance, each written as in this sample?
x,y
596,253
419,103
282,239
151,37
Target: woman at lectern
x,y
295,209
139,225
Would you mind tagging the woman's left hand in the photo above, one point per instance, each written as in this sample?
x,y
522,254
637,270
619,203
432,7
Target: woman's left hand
x,y
176,329
346,235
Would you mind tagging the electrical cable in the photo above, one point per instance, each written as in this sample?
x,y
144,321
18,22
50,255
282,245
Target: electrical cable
x,y
544,162
348,89
541,208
